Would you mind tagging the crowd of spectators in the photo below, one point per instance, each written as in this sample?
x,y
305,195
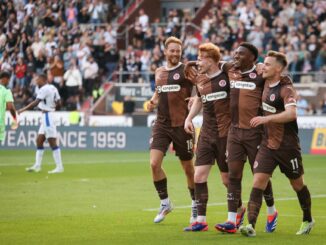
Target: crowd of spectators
x,y
294,27
75,43
70,41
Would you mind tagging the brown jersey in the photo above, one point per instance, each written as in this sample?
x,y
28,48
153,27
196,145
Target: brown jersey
x,y
172,88
275,99
215,96
246,90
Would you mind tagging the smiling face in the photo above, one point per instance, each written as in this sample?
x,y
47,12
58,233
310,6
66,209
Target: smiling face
x,y
173,53
243,58
204,63
271,68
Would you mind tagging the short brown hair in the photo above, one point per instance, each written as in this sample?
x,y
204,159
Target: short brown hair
x,y
212,51
172,39
280,57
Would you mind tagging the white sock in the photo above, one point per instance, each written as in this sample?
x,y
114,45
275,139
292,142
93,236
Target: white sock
x,y
165,201
232,216
271,210
193,203
57,157
201,218
38,157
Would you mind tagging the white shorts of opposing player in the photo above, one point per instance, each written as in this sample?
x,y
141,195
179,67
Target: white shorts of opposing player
x,y
49,130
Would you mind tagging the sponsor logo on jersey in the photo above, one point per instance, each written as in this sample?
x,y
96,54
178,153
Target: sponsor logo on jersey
x,y
222,83
252,75
168,88
176,76
272,97
214,96
256,164
242,85
269,108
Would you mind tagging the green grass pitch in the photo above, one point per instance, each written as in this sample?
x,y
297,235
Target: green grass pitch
x,y
108,198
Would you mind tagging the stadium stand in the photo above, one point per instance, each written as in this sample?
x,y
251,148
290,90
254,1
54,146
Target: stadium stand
x,y
122,41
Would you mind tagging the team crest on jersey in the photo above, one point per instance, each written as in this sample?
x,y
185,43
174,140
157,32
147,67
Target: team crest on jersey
x,y
252,75
222,83
272,97
256,164
176,76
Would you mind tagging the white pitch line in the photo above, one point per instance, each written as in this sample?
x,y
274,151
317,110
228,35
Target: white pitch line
x,y
82,162
283,215
225,203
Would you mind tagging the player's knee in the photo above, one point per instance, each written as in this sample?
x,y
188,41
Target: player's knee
x,y
225,182
235,175
225,179
199,177
260,181
155,165
297,185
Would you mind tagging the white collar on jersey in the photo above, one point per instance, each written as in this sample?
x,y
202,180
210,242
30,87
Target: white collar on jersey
x,y
251,70
274,84
173,68
214,74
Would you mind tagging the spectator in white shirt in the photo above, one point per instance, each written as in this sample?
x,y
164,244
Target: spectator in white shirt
x,y
90,72
73,81
38,47
95,10
143,20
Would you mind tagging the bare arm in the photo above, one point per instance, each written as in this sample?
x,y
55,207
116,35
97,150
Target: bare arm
x,y
153,102
288,115
195,109
12,109
58,104
29,106
190,71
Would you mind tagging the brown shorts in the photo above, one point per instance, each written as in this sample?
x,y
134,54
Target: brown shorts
x,y
288,160
183,143
243,143
210,150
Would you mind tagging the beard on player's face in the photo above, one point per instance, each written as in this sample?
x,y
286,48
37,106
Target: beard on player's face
x,y
174,59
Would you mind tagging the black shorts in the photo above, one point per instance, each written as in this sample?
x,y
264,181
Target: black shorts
x,y
243,143
72,90
289,161
210,150
183,143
